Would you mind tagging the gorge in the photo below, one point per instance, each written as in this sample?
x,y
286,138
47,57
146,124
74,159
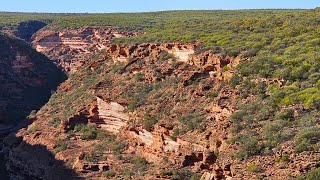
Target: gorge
x,y
165,95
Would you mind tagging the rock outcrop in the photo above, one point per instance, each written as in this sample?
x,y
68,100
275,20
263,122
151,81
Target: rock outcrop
x,y
181,52
218,67
112,116
69,49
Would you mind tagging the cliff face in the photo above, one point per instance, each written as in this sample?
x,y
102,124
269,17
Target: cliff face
x,y
69,49
26,29
27,79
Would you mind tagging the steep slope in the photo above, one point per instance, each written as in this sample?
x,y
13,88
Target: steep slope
x,y
26,29
27,80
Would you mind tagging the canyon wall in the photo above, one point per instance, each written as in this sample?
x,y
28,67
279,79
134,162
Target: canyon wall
x,y
69,49
27,79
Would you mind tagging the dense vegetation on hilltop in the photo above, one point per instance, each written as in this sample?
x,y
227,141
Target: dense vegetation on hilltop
x,y
137,21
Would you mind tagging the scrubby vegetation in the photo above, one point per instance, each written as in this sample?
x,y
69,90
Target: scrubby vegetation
x,y
313,174
179,174
61,146
277,82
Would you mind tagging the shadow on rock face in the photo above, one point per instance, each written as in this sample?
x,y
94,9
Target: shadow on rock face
x,y
25,161
26,29
27,80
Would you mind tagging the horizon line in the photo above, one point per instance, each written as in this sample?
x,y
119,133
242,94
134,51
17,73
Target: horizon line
x,y
121,12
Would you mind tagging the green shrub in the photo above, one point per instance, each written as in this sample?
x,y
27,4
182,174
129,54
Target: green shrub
x,y
133,104
110,174
139,164
235,80
86,132
93,157
139,161
90,134
149,121
164,173
139,77
286,115
177,132
33,128
196,176
116,68
283,158
55,122
253,168
213,95
118,148
33,112
192,120
307,139
61,146
249,147
164,55
313,174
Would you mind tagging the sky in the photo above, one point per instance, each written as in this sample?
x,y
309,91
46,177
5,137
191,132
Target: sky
x,y
107,6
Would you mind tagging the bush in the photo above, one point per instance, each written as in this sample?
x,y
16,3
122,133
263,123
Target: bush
x,y
253,168
87,132
149,121
164,173
196,176
140,164
116,68
33,112
249,146
139,161
133,104
285,115
313,174
90,134
235,80
307,139
139,77
192,121
93,157
118,148
283,158
164,55
177,132
61,146
33,128
110,174
55,122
